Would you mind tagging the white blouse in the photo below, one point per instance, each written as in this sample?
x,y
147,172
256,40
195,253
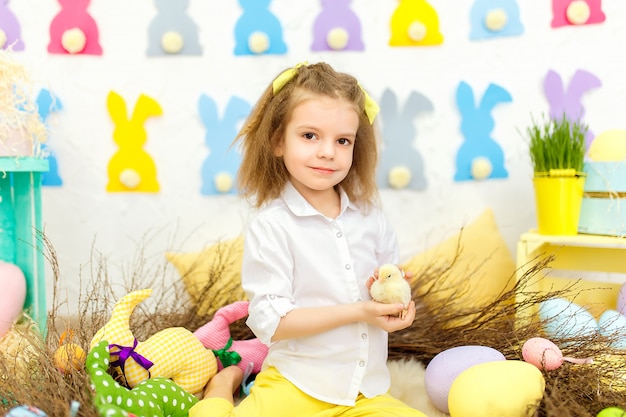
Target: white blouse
x,y
296,257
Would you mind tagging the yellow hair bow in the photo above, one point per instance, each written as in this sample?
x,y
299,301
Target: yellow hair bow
x,y
286,76
371,108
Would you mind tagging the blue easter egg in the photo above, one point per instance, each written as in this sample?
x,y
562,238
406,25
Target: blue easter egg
x,y
25,411
612,324
565,319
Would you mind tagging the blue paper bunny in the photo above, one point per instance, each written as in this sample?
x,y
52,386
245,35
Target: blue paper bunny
x,y
46,104
220,167
257,18
476,126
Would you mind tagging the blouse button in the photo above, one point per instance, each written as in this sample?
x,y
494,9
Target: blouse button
x,y
339,234
348,267
362,364
272,296
364,336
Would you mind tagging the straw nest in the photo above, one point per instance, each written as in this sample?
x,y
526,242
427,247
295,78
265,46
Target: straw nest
x,y
28,374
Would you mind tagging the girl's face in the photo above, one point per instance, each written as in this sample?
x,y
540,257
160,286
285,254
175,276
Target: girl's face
x,y
318,145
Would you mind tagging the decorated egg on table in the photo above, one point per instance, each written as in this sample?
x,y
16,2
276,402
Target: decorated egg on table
x,y
12,295
508,388
25,411
448,364
565,319
612,324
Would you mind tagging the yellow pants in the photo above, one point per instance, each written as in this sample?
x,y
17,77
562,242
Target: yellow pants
x,y
274,396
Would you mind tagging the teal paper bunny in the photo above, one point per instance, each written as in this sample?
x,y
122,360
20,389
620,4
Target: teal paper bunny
x,y
155,397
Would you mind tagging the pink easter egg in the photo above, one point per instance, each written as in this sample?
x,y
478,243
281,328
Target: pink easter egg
x,y
542,353
12,295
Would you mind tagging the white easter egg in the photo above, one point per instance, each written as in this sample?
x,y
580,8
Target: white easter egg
x,y
447,365
566,319
507,388
612,324
12,295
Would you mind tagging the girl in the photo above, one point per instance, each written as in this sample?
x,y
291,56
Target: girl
x,y
309,160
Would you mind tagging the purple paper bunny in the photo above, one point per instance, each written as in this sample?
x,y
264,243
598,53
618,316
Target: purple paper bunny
x,y
567,102
11,27
336,14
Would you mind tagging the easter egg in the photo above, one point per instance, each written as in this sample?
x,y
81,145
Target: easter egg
x,y
12,296
25,411
608,146
612,324
448,364
508,388
565,319
612,412
542,353
69,356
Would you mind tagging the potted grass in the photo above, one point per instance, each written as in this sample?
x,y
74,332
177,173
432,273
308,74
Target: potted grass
x,y
557,151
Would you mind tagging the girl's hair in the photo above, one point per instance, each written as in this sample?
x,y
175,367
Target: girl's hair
x,y
262,175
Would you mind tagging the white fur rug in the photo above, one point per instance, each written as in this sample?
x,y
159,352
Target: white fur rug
x,y
407,384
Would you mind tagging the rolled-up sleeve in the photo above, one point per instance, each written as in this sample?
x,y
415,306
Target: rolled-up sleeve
x,y
266,277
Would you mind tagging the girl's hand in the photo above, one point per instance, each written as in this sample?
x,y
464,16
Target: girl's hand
x,y
384,315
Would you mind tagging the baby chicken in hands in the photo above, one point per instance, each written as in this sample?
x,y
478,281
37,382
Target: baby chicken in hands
x,y
391,287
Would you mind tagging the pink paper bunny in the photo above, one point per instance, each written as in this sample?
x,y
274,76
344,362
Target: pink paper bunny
x,y
216,334
74,14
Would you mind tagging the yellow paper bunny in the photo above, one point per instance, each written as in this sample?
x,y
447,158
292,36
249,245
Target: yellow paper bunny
x,y
131,168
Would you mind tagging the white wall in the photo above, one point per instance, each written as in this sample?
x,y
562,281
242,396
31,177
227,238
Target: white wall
x,y
82,213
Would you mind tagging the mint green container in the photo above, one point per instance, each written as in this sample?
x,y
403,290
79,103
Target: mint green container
x,y
21,242
603,209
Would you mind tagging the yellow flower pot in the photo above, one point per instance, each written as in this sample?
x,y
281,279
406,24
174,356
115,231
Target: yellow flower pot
x,y
558,198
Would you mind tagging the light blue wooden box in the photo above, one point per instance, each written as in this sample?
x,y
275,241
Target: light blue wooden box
x,y
21,241
603,210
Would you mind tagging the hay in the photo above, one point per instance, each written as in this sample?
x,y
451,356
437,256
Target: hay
x,y
571,391
21,130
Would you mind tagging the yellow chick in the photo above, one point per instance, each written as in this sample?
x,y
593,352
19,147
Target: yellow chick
x,y
391,287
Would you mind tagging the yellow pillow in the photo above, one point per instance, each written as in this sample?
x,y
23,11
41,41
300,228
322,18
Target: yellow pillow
x,y
212,277
466,271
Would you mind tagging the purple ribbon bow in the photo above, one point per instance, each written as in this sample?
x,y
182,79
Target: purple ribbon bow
x,y
125,352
